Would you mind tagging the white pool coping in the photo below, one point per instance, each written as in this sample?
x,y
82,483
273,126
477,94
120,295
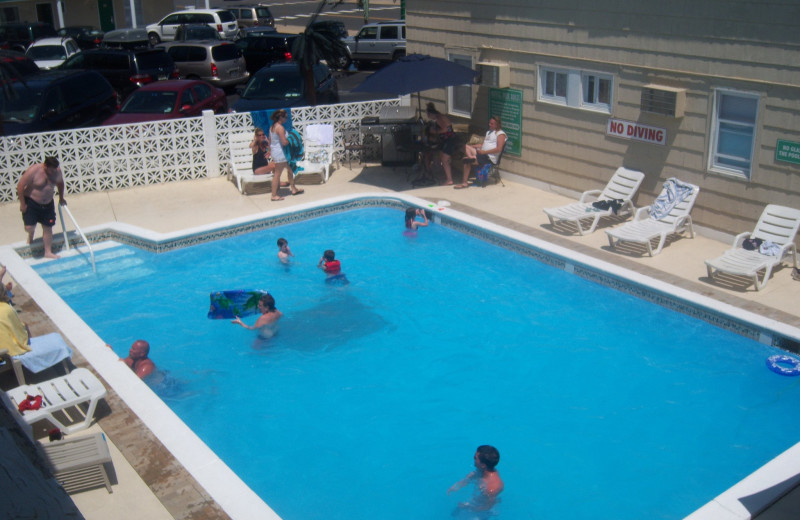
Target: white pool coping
x,y
759,490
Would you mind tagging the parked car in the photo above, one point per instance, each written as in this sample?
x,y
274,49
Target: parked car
x,y
56,100
19,35
220,19
280,86
381,42
49,53
86,36
259,51
217,62
260,30
170,100
126,69
130,38
15,65
196,31
252,15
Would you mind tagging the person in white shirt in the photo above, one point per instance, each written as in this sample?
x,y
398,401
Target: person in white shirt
x,y
484,153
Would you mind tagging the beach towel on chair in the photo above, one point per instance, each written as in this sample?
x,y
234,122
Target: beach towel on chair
x,y
294,150
674,192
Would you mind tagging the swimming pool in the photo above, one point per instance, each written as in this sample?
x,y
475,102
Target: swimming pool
x,y
565,382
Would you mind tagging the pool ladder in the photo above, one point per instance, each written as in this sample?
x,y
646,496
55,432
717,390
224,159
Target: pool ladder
x,y
61,210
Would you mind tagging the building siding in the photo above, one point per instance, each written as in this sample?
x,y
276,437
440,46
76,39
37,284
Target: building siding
x,y
699,46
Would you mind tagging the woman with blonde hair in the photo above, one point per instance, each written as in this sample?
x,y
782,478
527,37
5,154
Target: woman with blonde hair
x,y
277,140
487,152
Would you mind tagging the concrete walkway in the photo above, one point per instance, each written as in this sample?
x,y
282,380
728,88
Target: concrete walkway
x,y
518,205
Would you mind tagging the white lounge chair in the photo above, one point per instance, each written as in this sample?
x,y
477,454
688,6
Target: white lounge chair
x,y
318,145
241,162
779,225
644,228
63,395
622,186
46,351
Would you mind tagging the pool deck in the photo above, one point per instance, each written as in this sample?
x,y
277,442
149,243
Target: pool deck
x,y
151,484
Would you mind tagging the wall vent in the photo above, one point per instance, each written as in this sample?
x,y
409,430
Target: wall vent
x,y
666,101
492,74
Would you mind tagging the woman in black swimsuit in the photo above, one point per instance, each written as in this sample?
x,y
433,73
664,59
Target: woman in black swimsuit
x,y
260,147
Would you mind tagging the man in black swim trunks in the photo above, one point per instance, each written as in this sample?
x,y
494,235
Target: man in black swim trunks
x,y
35,190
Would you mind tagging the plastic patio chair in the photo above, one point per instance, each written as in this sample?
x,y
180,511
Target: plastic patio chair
x,y
778,225
623,186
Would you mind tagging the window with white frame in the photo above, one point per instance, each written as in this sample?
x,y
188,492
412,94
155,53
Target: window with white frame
x,y
576,88
459,97
733,132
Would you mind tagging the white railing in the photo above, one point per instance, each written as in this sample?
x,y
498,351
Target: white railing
x,y
61,210
122,156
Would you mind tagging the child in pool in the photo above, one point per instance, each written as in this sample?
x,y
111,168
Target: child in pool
x,y
283,251
488,484
332,268
411,223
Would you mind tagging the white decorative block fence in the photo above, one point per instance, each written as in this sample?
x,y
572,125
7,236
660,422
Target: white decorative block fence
x,y
122,156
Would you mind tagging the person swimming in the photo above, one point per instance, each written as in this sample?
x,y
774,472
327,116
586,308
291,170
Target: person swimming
x,y
283,251
332,268
412,224
488,484
267,324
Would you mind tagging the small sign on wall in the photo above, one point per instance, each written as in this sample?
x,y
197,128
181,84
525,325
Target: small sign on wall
x,y
636,131
787,151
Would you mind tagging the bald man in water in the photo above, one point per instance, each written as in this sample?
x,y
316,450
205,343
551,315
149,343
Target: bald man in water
x,y
137,359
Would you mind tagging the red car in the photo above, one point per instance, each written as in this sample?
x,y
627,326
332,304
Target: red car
x,y
169,100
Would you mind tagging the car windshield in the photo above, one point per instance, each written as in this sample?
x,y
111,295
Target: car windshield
x,y
20,102
149,102
47,52
274,86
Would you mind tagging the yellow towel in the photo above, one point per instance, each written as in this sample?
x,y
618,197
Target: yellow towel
x,y
13,334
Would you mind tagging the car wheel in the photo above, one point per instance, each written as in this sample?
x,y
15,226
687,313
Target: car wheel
x,y
342,63
155,39
397,55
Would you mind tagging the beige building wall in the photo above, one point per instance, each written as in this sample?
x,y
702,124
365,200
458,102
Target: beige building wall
x,y
698,46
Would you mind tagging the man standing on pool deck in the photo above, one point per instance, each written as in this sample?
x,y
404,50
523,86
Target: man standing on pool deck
x,y
35,190
487,480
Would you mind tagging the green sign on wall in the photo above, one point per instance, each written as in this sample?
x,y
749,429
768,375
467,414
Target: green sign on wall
x,y
507,104
787,151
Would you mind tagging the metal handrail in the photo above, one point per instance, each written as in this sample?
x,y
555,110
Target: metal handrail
x,y
78,229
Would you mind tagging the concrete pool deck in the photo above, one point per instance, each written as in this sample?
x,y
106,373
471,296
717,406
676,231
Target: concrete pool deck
x,y
517,205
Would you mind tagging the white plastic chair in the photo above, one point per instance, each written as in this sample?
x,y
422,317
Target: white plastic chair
x,y
622,186
241,161
63,394
779,225
318,145
644,228
46,351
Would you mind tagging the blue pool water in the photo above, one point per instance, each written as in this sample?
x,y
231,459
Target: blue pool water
x,y
371,399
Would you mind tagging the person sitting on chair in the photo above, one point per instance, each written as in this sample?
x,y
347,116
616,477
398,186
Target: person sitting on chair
x,y
261,154
486,153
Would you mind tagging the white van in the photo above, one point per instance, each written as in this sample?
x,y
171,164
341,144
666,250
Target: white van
x,y
221,19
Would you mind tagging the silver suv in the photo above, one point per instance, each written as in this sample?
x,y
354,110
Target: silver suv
x,y
383,41
217,62
221,19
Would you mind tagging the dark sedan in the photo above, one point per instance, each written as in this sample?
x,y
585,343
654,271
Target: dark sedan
x,y
280,86
170,100
86,36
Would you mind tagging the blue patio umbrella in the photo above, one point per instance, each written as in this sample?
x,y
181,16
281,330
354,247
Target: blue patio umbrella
x,y
415,73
